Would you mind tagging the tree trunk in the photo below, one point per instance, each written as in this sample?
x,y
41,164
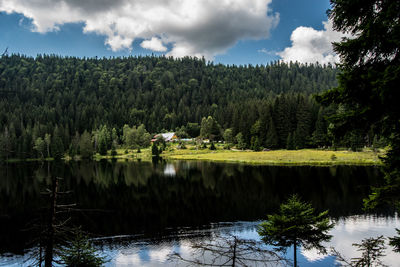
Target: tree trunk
x,y
295,254
50,227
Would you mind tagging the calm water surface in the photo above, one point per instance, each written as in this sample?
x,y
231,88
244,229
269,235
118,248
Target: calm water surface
x,y
139,213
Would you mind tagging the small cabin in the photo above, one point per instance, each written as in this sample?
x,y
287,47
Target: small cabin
x,y
168,137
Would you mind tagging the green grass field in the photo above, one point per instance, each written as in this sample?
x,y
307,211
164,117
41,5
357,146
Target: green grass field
x,y
279,157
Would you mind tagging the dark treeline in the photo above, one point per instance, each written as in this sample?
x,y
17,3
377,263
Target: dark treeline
x,y
50,105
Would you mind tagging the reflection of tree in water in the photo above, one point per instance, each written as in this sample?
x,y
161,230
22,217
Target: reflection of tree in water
x,y
230,251
139,197
58,241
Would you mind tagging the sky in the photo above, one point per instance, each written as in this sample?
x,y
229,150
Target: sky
x,y
225,31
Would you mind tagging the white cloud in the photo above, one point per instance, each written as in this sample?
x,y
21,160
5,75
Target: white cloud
x,y
197,28
154,44
310,45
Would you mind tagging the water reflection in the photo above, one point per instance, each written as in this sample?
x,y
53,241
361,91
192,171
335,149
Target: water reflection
x,y
130,198
169,169
155,252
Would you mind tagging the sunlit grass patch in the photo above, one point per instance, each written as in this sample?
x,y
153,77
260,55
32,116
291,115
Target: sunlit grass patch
x,y
280,157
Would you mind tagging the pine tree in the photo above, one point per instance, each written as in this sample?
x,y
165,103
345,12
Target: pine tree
x,y
154,150
85,145
57,146
319,137
290,142
296,225
271,141
303,115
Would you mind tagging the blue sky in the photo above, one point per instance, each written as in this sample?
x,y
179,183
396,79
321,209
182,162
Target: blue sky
x,y
253,32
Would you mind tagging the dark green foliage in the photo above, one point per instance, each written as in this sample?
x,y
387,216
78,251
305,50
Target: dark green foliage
x,y
255,143
355,140
369,80
193,129
228,136
113,149
57,146
296,225
304,123
40,147
271,141
320,135
395,241
102,146
181,132
102,139
80,253
241,144
154,150
210,129
85,145
290,141
212,146
102,95
74,146
136,137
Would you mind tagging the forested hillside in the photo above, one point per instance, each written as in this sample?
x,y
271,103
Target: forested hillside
x,y
60,98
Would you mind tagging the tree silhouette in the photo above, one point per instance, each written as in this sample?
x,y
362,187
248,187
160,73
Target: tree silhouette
x,y
296,225
231,251
371,251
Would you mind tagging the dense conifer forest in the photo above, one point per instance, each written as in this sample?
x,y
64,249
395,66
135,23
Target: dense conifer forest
x,y
51,105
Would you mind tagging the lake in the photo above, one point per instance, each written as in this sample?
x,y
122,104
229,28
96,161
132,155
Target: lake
x,y
140,213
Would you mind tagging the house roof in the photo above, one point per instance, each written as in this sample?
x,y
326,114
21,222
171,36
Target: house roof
x,y
167,136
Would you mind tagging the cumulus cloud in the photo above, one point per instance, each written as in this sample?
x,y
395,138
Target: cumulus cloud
x,y
197,28
154,44
310,45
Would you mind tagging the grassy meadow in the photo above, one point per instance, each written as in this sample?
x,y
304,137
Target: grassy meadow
x,y
278,157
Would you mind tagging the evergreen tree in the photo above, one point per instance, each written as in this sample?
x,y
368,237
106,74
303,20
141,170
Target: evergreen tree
x,y
290,142
369,78
212,147
47,140
296,225
241,144
319,136
255,143
91,94
228,136
85,145
154,150
40,147
57,146
80,252
272,137
303,124
282,120
210,129
113,149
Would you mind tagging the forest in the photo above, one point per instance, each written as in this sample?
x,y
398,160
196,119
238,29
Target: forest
x,y
52,105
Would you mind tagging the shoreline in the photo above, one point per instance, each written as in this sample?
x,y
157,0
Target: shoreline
x,y
303,157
